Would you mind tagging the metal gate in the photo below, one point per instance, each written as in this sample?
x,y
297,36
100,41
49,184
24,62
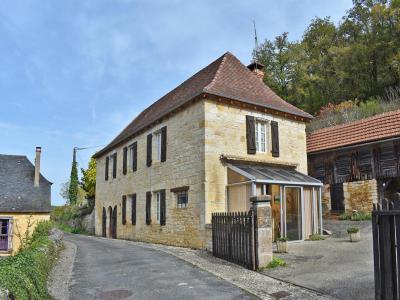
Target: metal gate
x,y
386,245
234,239
337,197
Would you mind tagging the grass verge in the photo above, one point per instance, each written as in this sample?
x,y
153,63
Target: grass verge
x,y
25,274
276,262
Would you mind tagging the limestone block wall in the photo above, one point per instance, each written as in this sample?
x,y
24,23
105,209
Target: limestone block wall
x,y
184,167
225,133
360,195
20,226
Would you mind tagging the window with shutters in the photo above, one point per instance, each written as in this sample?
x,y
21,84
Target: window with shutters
x,y
123,210
158,203
133,157
4,231
157,145
148,208
133,209
112,159
261,130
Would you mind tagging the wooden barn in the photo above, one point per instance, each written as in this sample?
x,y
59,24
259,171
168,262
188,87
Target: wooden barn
x,y
358,162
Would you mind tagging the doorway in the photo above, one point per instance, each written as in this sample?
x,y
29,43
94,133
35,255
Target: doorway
x,y
4,229
293,213
337,198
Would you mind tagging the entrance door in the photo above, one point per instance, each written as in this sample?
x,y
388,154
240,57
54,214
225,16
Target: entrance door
x,y
337,198
293,213
4,223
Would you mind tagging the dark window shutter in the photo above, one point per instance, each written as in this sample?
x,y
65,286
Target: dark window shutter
x,y
134,158
164,143
107,167
162,208
275,138
124,160
115,165
123,210
133,209
148,208
149,147
104,223
251,134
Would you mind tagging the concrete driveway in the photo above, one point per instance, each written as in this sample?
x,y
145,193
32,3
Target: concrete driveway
x,y
105,269
334,266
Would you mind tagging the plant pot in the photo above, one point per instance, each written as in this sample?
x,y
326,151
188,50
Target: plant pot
x,y
355,237
281,247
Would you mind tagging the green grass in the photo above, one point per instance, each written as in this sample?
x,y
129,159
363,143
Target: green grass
x,y
70,229
315,237
358,216
276,262
353,229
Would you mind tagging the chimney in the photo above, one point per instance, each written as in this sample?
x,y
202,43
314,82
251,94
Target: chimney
x,y
37,166
257,69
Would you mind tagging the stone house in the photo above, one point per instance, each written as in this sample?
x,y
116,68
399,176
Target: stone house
x,y
24,199
207,146
358,162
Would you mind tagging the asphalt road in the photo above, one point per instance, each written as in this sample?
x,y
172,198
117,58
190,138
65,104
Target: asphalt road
x,y
109,269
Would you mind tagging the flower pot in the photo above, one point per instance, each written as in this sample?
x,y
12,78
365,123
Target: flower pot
x,y
355,237
281,247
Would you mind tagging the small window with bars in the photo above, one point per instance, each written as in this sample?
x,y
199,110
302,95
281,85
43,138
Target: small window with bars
x,y
182,199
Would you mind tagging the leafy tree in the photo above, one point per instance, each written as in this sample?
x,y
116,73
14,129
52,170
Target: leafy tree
x,y
73,184
88,180
81,194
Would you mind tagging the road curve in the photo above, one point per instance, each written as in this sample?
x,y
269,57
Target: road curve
x,y
108,269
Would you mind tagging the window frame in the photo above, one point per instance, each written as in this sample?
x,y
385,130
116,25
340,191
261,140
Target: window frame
x,y
158,142
182,205
259,135
132,148
5,236
158,205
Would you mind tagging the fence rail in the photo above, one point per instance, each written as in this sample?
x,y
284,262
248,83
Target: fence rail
x,y
386,245
233,237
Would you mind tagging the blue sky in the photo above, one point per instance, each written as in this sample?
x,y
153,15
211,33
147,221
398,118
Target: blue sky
x,y
76,72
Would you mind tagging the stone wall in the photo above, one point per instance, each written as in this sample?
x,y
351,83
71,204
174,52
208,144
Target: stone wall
x,y
184,166
358,195
21,223
225,131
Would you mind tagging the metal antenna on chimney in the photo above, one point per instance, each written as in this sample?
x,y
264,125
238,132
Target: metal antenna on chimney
x,y
255,35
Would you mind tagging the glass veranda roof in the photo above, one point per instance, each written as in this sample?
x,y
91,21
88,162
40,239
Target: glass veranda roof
x,y
274,175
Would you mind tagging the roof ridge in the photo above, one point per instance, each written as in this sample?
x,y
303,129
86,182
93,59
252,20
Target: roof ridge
x,y
212,82
355,122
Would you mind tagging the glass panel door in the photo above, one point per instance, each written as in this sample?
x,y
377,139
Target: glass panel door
x,y
4,234
293,209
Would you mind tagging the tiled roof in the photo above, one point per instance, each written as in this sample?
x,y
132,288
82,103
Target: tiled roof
x,y
17,192
383,126
225,77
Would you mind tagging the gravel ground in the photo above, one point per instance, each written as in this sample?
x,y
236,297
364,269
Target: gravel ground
x,y
335,266
60,277
255,283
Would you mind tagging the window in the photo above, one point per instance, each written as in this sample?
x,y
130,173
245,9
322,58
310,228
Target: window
x,y
4,229
158,203
123,210
261,136
133,209
107,167
133,156
182,199
157,137
113,160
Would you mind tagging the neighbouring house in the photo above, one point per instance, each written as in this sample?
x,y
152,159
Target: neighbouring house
x,y
24,199
207,146
358,162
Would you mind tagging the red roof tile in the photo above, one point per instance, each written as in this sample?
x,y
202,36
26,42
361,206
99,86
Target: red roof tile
x,y
378,127
225,77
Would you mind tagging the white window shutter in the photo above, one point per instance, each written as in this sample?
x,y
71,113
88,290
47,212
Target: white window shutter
x,y
10,234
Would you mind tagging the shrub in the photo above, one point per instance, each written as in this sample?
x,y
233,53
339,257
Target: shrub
x,y
282,239
70,229
25,274
276,262
356,216
353,229
63,214
316,237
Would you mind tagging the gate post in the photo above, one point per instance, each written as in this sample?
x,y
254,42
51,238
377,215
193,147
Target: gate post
x,y
263,229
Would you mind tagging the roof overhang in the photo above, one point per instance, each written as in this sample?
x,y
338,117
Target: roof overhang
x,y
274,175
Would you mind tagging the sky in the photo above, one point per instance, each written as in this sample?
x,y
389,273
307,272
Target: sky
x,y
76,72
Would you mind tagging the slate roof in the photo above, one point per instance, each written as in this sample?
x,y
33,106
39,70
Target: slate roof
x,y
17,192
225,77
379,127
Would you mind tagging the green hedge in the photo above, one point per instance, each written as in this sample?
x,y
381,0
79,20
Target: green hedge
x,y
25,274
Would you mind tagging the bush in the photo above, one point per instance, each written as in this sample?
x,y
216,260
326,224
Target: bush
x,y
276,262
25,274
316,237
70,229
353,229
62,214
356,216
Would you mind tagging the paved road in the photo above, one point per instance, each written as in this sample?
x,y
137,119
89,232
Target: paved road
x,y
109,269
